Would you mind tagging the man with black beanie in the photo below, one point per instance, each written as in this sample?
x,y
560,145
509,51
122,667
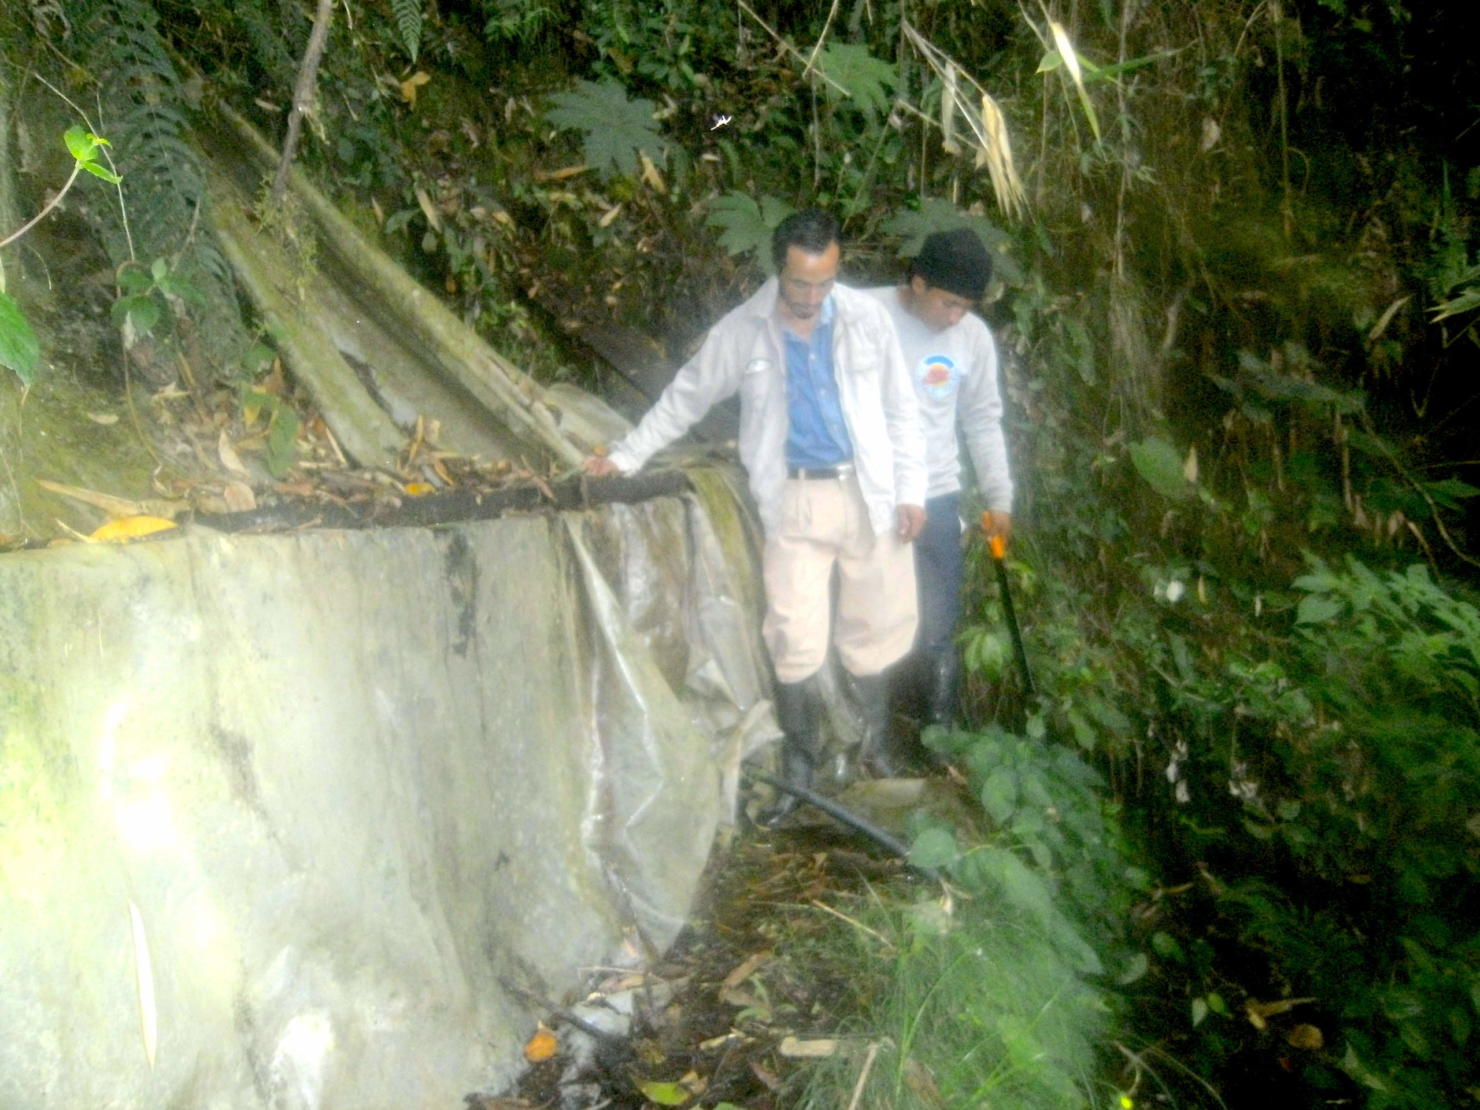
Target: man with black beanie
x,y
953,362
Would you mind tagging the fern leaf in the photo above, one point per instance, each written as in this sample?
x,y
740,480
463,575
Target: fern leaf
x,y
408,22
936,214
614,129
745,224
164,184
866,78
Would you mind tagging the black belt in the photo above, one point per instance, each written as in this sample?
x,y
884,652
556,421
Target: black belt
x,y
832,473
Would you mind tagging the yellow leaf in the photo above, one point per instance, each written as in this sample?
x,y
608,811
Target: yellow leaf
x,y
411,84
541,1046
1308,1037
651,175
428,209
418,489
130,528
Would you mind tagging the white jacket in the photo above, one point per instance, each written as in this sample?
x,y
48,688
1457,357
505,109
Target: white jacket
x,y
744,353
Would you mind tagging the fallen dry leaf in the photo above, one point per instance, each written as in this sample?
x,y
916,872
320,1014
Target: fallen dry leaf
x,y
1258,1012
798,1049
239,497
411,84
1308,1037
541,1046
745,969
116,507
130,528
227,453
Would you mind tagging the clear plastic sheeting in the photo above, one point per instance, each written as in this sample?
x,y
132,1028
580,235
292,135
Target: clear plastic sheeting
x,y
326,819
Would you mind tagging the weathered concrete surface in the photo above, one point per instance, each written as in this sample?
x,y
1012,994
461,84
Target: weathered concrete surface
x,y
367,792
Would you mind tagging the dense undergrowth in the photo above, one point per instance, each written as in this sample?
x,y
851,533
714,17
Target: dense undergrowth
x,y
1236,833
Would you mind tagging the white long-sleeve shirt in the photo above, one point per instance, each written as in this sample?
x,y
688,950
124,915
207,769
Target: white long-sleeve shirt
x,y
744,353
955,377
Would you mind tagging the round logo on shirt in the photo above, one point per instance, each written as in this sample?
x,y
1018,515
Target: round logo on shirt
x,y
937,376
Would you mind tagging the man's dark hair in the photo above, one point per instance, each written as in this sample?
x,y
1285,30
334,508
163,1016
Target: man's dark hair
x,y
811,229
955,261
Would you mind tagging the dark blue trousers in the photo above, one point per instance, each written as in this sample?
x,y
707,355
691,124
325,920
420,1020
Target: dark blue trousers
x,y
939,569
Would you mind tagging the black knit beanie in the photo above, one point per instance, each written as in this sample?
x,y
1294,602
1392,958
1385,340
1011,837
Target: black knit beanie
x,y
955,261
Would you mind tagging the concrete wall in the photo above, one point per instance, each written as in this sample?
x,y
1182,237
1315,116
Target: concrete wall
x,y
310,820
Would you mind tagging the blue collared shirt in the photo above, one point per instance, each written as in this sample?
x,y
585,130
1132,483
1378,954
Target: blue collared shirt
x,y
817,434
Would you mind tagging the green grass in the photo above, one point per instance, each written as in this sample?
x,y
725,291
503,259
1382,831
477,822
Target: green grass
x,y
967,1005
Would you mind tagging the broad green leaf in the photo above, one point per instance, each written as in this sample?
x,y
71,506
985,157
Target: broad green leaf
x,y
282,445
1157,461
865,78
1316,608
664,1094
18,347
1138,967
613,128
746,224
102,171
934,848
1199,1011
82,144
1166,945
1028,893
1450,492
132,279
142,312
1320,582
1000,794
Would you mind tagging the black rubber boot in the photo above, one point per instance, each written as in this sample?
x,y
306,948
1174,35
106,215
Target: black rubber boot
x,y
941,672
881,755
799,713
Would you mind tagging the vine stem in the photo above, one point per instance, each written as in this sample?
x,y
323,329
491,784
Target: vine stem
x,y
52,203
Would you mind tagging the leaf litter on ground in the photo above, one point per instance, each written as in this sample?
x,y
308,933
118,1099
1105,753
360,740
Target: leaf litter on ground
x,y
734,1011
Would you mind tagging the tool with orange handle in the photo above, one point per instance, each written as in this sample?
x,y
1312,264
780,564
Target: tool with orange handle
x,y
998,543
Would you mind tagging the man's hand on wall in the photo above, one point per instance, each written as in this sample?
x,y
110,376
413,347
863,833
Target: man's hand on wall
x,y
599,466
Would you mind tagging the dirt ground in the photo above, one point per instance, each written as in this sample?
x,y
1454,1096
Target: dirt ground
x,y
732,1013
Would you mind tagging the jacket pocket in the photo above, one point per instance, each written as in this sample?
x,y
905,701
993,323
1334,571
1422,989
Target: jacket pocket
x,y
755,378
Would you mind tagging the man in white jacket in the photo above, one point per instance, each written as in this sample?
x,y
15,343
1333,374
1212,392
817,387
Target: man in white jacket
x,y
831,442
953,363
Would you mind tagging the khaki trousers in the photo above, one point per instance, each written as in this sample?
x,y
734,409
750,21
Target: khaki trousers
x,y
824,523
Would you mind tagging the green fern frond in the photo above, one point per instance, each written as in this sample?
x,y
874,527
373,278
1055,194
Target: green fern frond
x,y
937,214
745,224
267,34
408,23
867,79
164,190
613,128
